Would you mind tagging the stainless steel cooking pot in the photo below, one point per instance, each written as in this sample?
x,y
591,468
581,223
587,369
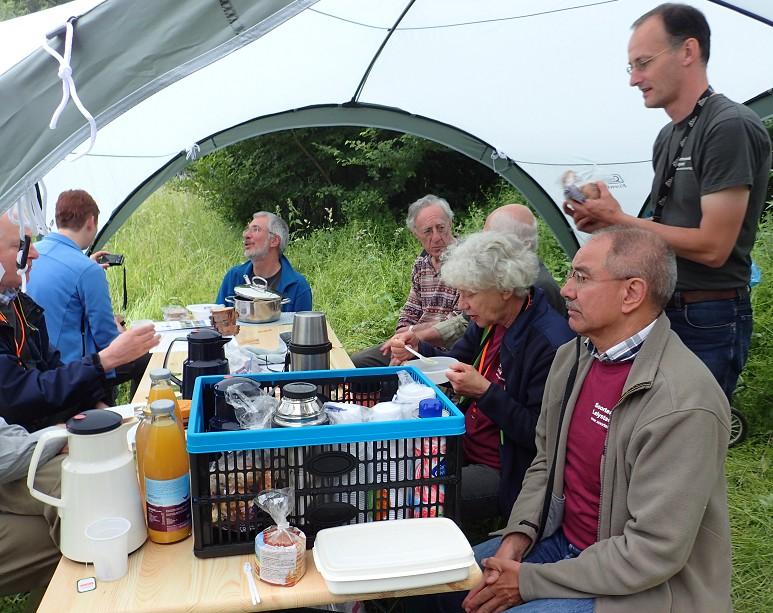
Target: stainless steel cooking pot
x,y
255,303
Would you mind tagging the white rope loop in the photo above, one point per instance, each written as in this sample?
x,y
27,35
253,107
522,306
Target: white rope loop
x,y
68,87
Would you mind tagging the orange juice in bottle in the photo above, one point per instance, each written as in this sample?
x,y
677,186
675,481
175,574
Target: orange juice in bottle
x,y
161,387
167,482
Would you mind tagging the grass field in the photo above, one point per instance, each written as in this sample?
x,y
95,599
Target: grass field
x,y
176,253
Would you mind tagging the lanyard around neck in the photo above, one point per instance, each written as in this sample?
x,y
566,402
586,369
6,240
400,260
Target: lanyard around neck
x,y
670,170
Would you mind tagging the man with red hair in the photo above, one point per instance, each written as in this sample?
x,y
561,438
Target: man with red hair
x,y
72,288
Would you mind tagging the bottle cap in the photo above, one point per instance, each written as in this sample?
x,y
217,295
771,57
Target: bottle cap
x,y
431,407
161,407
157,374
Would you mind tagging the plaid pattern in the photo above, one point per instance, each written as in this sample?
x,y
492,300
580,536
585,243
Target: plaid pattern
x,y
429,299
623,351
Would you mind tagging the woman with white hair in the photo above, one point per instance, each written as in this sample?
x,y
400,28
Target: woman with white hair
x,y
504,359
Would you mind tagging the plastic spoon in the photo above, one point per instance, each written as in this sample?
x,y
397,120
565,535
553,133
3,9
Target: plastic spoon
x,y
421,357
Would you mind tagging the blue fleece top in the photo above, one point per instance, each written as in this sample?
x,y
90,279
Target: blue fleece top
x,y
291,284
73,291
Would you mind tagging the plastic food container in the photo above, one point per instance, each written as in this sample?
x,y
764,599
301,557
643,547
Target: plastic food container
x,y
434,368
392,555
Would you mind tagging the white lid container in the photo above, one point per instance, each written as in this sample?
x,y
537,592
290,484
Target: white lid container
x,y
392,555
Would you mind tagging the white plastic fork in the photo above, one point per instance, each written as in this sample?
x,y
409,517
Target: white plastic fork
x,y
251,583
421,357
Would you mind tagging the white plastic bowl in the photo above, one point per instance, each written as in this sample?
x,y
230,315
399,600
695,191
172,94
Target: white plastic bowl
x,y
202,311
434,369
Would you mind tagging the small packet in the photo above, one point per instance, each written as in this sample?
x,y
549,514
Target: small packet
x,y
576,189
280,550
345,412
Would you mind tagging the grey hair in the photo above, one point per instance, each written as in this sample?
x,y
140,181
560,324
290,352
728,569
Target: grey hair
x,y
423,203
526,233
490,260
635,252
277,226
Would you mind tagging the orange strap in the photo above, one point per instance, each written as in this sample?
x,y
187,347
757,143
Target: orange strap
x,y
19,344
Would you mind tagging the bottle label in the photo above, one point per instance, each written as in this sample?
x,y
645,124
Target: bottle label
x,y
168,503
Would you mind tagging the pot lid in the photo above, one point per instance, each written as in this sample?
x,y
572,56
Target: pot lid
x,y
95,421
250,292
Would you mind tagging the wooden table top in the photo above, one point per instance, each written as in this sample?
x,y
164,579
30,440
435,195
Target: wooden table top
x,y
170,578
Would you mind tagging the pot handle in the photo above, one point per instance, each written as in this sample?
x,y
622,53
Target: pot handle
x,y
259,282
166,356
229,300
285,301
33,469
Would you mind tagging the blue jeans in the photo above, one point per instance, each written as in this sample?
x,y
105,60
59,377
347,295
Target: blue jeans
x,y
551,549
719,333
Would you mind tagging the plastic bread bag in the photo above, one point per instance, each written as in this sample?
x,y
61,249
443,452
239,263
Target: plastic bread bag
x,y
253,406
578,188
239,359
280,550
233,476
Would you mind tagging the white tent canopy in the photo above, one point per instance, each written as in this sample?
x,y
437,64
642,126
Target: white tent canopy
x,y
528,88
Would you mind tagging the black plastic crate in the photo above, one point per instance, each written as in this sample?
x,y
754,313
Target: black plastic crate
x,y
341,474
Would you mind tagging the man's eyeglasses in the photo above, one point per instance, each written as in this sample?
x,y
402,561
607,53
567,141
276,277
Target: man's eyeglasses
x,y
641,63
256,230
580,278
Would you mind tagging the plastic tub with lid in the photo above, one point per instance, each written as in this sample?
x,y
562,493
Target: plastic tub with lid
x,y
394,555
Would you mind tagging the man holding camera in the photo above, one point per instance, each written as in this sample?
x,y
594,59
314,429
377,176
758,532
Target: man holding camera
x,y
72,288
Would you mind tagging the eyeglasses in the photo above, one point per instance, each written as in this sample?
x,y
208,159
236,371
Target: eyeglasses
x,y
580,278
256,230
640,64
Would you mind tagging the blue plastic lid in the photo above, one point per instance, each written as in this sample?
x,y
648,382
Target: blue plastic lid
x,y
430,407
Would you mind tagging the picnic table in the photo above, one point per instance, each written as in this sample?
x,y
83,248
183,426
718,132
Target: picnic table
x,y
171,578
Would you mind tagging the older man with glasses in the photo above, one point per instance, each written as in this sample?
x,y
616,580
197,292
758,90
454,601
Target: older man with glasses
x,y
711,165
624,508
265,239
430,299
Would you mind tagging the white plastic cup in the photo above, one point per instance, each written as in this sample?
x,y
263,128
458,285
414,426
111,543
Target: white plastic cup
x,y
141,322
109,538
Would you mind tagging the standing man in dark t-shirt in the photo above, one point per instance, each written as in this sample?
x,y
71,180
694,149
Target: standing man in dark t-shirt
x,y
711,172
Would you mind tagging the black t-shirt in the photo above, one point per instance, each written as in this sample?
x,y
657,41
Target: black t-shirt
x,y
728,147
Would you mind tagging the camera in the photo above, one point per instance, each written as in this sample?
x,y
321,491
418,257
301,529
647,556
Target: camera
x,y
111,259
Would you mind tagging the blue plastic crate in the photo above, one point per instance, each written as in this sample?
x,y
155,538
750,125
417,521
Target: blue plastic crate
x,y
342,473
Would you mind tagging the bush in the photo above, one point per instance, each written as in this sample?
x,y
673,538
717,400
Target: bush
x,y
316,176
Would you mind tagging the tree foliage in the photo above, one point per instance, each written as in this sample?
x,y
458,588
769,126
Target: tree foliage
x,y
316,176
16,8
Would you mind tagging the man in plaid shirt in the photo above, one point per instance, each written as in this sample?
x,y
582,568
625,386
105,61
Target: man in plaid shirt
x,y
430,300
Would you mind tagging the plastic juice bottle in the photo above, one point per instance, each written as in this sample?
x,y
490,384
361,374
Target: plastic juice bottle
x,y
161,387
167,482
140,442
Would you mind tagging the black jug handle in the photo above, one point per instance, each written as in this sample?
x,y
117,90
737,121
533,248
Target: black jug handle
x,y
166,357
287,362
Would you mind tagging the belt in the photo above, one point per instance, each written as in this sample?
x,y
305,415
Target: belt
x,y
691,296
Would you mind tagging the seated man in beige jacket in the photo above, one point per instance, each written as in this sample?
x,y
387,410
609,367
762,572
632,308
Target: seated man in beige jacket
x,y
624,508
